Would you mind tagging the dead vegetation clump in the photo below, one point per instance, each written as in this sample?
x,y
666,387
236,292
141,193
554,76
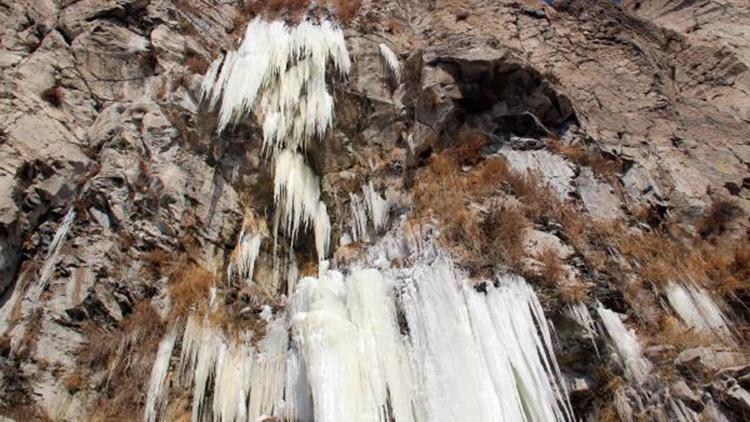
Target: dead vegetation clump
x,y
53,95
471,143
27,345
156,263
479,224
197,64
505,228
295,10
552,271
118,362
74,382
189,290
608,169
573,292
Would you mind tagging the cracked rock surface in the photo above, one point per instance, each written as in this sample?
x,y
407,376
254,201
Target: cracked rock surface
x,y
99,114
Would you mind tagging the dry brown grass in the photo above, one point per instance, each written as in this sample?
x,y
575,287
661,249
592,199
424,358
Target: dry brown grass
x,y
27,345
24,412
573,292
78,286
586,157
197,64
671,331
156,262
470,145
189,290
505,228
453,197
119,362
552,271
74,382
294,10
726,266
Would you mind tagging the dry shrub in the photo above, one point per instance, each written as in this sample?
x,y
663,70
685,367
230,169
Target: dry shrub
x,y
119,362
295,10
5,346
156,261
471,143
552,271
197,64
607,412
443,192
24,412
657,259
670,331
717,218
585,157
452,196
27,345
394,26
53,95
74,382
726,266
346,10
189,290
505,228
573,292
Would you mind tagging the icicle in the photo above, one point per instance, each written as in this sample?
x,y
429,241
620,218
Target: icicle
x,y
626,345
269,371
467,356
481,358
298,404
209,79
232,381
385,365
580,314
443,350
377,207
682,413
280,71
296,188
394,66
322,231
247,249
327,340
199,355
410,143
696,307
54,248
358,219
154,397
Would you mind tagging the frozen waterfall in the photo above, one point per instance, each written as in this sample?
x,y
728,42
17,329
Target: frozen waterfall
x,y
367,342
341,352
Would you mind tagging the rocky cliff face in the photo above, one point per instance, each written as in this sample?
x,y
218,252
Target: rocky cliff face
x,y
600,150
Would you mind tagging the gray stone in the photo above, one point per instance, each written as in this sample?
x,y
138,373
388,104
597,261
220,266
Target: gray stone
x,y
554,171
707,361
598,196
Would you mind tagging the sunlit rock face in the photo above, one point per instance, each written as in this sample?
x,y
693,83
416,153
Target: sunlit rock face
x,y
387,211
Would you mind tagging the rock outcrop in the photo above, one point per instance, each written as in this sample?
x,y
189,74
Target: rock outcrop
x,y
633,120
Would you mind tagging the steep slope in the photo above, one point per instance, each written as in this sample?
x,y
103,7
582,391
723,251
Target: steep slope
x,y
501,209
